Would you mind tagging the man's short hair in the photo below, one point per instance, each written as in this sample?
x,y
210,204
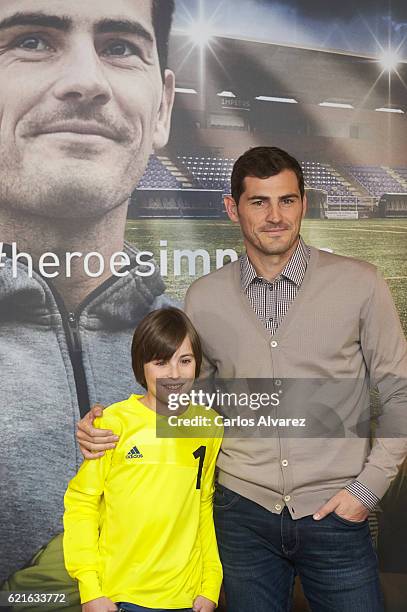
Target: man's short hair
x,y
163,11
158,336
263,162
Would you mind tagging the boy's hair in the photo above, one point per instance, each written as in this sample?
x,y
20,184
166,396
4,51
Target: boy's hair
x,y
263,162
158,336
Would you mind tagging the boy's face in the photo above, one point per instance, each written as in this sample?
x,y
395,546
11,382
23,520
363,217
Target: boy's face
x,y
173,376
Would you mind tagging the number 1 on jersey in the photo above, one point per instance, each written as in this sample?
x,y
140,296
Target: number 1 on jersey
x,y
200,452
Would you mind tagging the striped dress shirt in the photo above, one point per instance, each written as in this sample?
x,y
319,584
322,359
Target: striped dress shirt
x,y
271,300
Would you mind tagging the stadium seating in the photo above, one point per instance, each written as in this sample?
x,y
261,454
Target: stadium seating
x,y
375,179
211,172
157,176
208,172
318,176
214,173
402,172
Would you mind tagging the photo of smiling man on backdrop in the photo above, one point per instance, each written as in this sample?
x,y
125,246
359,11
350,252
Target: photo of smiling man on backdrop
x,y
85,98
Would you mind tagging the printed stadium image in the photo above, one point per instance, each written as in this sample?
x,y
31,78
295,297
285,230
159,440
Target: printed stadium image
x,y
333,111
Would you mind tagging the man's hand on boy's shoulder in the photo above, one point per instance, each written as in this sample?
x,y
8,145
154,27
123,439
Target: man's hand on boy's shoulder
x,y
202,604
93,442
101,604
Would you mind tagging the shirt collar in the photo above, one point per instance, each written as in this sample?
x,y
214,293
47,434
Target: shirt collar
x,y
294,270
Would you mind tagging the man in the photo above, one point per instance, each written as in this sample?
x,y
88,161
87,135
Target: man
x,y
284,310
85,98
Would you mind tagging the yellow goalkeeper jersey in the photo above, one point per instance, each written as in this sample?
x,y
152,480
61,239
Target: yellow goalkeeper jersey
x,y
139,520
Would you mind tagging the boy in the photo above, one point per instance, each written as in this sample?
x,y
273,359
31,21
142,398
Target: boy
x,y
138,522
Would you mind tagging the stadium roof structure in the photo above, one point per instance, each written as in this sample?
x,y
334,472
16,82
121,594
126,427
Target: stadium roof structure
x,y
249,68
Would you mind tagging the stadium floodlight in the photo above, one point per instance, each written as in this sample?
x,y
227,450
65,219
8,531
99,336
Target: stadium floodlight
x,y
226,94
200,33
389,60
385,109
336,104
276,99
185,90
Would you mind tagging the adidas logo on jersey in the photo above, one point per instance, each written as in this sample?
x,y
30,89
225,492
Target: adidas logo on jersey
x,y
134,453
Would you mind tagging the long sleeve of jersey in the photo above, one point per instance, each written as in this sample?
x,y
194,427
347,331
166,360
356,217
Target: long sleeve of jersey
x,y
212,568
83,507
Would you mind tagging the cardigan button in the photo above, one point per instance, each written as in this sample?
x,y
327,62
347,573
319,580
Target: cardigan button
x,y
273,344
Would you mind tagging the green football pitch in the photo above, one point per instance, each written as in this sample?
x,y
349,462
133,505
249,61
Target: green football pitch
x,y
383,242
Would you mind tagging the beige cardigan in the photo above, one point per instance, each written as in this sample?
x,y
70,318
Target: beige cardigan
x,y
342,326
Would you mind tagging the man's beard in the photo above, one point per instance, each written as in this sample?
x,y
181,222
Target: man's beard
x,y
275,247
72,189
68,181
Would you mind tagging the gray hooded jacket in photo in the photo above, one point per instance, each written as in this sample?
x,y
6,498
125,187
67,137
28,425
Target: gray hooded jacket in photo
x,y
54,365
